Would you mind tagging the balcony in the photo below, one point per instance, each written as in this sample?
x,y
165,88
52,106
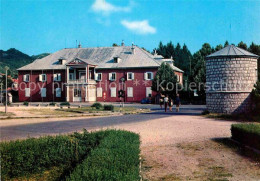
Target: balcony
x,y
81,81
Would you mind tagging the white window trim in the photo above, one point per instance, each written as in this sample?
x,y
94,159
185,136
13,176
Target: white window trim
x,y
128,92
99,92
25,77
150,91
111,75
111,93
146,75
29,92
97,77
58,92
41,77
57,77
133,75
43,93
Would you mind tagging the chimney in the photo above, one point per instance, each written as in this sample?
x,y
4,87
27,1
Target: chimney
x,y
79,46
123,43
154,52
133,49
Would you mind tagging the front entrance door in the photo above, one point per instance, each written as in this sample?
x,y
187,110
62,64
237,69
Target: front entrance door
x,y
77,95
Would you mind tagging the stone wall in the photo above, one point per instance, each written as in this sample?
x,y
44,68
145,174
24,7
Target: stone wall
x,y
229,83
228,102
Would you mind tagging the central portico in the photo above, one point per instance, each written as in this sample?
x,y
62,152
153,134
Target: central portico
x,y
80,81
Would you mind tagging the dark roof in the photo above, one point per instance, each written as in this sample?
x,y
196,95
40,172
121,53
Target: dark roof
x,y
232,51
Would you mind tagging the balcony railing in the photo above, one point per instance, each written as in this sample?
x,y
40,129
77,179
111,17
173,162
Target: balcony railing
x,y
80,81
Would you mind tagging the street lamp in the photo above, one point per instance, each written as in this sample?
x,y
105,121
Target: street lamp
x,y
6,69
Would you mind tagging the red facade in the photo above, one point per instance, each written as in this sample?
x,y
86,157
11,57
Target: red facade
x,y
139,85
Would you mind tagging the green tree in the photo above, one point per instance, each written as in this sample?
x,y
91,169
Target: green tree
x,y
3,81
242,45
256,50
226,44
256,98
218,47
165,80
115,45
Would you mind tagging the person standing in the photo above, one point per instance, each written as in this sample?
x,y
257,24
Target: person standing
x,y
170,103
161,100
178,103
166,100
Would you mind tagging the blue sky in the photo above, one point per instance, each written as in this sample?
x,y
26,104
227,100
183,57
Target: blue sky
x,y
38,26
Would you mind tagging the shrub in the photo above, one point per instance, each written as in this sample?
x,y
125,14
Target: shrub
x,y
65,104
256,98
116,158
248,134
109,107
22,158
25,103
205,112
97,105
52,104
8,103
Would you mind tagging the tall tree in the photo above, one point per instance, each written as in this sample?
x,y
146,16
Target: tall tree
x,y
165,80
242,45
226,44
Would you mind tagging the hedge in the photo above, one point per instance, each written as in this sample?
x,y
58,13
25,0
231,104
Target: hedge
x,y
102,155
34,155
109,107
97,105
116,158
248,134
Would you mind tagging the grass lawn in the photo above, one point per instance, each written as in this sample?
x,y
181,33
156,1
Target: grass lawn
x,y
4,114
238,117
102,155
126,110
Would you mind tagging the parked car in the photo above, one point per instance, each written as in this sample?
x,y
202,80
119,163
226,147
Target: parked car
x,y
146,101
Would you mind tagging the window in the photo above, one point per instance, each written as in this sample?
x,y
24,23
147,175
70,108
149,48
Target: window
x,y
98,76
130,76
26,77
58,92
42,77
99,92
71,76
179,78
112,76
77,93
27,92
148,76
129,91
43,92
57,77
113,91
148,92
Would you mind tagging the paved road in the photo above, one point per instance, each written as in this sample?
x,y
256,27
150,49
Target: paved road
x,y
14,129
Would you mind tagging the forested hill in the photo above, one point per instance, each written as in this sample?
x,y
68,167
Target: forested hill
x,y
15,59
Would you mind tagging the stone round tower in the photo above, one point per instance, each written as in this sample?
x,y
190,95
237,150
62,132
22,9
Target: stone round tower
x,y
230,77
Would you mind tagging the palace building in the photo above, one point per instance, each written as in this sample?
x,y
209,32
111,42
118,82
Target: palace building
x,y
92,74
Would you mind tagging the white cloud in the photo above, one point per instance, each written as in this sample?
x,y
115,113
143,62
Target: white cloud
x,y
101,6
139,27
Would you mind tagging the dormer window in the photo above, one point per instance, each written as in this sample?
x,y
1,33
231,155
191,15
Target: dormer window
x,y
117,59
62,61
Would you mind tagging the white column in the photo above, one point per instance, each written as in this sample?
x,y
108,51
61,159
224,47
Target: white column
x,y
67,92
87,74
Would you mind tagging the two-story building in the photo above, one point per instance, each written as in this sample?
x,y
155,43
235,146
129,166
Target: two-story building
x,y
91,74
